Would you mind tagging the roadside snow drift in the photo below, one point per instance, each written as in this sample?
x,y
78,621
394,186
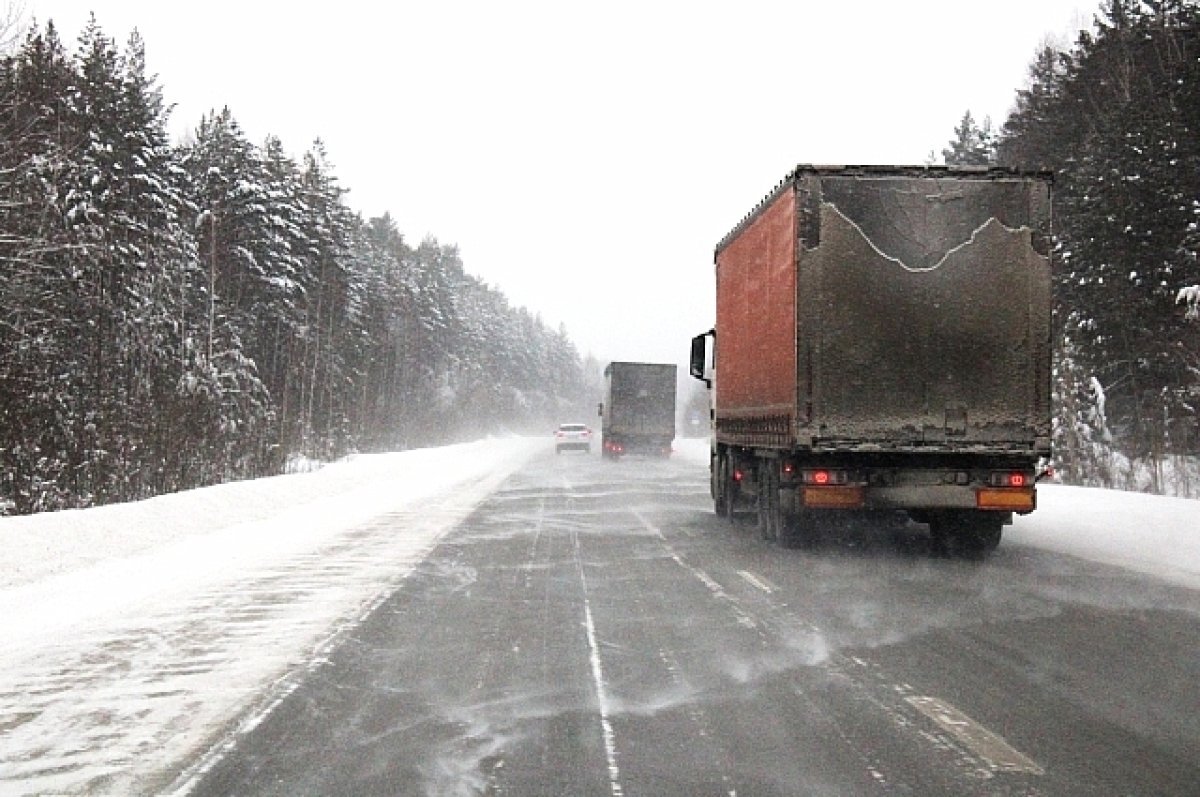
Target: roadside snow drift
x,y
134,633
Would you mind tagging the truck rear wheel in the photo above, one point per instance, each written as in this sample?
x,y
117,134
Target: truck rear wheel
x,y
722,486
770,516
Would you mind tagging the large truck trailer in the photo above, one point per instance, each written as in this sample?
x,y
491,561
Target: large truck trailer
x,y
638,412
882,345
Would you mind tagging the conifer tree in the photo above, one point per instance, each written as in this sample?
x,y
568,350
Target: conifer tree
x,y
973,144
1116,118
174,317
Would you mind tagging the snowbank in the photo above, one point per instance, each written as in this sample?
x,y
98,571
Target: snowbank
x,y
1150,534
134,633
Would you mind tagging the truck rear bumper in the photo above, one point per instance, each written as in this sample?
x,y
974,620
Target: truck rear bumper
x,y
924,497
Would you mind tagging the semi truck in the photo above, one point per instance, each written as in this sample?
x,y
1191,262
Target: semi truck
x,y
882,346
638,411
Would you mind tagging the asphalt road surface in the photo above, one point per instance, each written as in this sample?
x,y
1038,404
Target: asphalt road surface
x,y
593,629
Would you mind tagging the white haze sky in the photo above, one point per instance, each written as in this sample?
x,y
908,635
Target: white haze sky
x,y
586,158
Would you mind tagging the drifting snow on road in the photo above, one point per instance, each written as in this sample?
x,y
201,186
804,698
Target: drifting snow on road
x,y
115,670
141,641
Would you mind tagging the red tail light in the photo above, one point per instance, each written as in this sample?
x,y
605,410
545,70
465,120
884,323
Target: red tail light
x,y
823,477
738,475
1013,479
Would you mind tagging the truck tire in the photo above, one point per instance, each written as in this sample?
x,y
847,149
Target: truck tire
x,y
722,487
966,535
770,513
712,475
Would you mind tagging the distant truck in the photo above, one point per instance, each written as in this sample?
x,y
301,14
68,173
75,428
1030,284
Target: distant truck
x,y
638,412
882,345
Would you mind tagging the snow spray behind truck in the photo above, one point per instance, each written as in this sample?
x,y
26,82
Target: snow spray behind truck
x,y
882,344
638,413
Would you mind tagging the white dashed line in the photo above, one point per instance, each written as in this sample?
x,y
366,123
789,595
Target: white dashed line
x,y
602,700
998,754
757,581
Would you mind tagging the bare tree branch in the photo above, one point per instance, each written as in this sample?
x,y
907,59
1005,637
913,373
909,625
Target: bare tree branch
x,y
12,22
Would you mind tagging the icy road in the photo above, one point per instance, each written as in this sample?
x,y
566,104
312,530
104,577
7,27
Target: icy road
x,y
541,624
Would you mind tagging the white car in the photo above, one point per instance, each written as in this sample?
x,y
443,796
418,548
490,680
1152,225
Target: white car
x,y
572,436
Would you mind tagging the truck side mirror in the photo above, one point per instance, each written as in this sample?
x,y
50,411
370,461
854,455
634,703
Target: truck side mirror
x,y
699,356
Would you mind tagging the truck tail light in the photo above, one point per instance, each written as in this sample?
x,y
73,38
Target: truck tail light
x,y
829,488
1011,479
824,477
738,475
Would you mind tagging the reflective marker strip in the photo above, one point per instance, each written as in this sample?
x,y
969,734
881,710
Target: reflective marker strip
x,y
1006,498
998,754
833,497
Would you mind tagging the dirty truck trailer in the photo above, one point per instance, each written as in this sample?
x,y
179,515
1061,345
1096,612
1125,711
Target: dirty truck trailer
x,y
882,344
638,412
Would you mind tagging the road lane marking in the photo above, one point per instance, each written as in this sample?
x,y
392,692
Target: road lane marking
x,y
998,754
757,581
602,701
742,617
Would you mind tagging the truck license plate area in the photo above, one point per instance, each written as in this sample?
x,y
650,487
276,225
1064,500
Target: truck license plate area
x,y
1013,500
834,497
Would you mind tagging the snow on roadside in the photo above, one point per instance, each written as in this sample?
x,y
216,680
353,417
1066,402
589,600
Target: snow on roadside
x,y
39,545
1150,534
133,633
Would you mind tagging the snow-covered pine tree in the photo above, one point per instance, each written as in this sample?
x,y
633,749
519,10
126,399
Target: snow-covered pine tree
x,y
973,144
1116,118
331,293
39,305
1082,441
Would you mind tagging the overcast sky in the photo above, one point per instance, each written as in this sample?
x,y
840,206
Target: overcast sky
x,y
586,158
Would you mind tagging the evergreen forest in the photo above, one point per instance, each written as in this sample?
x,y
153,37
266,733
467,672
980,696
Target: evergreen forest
x,y
174,316
1116,117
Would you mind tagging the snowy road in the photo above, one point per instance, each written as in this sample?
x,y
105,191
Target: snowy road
x,y
494,619
594,629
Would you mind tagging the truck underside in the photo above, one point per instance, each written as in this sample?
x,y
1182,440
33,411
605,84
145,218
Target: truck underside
x,y
618,445
965,497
